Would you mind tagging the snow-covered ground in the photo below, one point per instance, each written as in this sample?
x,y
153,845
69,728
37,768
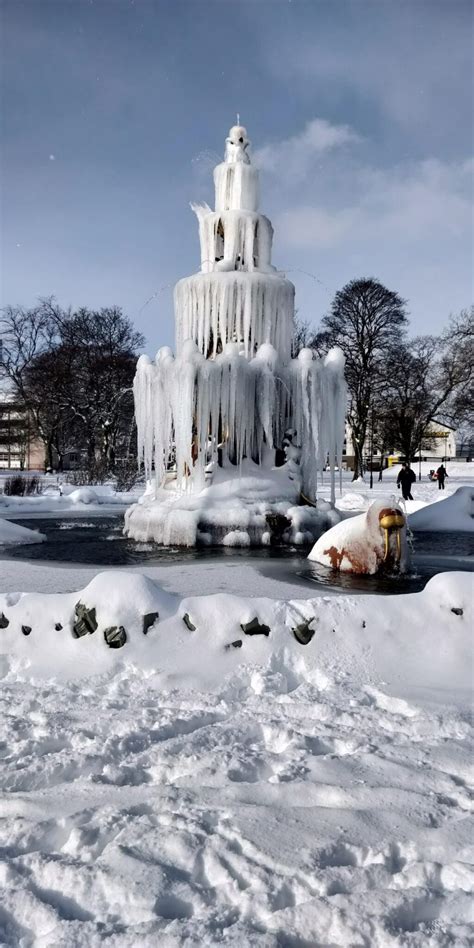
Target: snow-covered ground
x,y
356,495
353,498
100,499
176,792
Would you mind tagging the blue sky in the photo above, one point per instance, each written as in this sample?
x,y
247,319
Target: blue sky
x,y
115,111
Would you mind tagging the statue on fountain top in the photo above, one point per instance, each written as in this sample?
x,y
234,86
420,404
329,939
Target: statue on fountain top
x,y
236,145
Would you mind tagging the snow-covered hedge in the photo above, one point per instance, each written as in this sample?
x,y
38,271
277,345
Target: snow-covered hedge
x,y
423,638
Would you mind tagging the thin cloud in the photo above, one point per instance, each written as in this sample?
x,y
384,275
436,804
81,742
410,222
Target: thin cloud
x,y
403,204
430,198
295,156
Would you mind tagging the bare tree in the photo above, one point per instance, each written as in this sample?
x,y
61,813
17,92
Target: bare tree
x,y
98,350
301,336
73,371
465,441
407,402
459,354
27,335
367,321
429,376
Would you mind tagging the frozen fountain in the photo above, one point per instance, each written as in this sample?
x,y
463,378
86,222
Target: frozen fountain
x,y
214,420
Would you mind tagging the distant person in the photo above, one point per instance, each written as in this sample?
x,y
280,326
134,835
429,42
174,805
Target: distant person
x,y
442,474
405,479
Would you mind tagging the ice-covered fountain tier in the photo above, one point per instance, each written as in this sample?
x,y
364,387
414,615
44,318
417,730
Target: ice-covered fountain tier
x,y
210,421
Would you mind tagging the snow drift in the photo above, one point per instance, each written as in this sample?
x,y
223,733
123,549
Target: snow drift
x,y
412,650
202,785
452,513
11,534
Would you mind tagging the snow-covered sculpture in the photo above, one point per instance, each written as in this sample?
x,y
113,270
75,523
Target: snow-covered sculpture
x,y
371,542
233,390
236,144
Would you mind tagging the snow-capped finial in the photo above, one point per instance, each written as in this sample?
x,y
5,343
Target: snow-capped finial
x,y
236,144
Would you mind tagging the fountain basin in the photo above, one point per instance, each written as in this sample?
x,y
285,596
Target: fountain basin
x,y
99,542
242,507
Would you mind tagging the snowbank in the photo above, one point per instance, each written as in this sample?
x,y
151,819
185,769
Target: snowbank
x,y
202,785
101,499
452,513
83,495
413,650
357,495
352,501
11,534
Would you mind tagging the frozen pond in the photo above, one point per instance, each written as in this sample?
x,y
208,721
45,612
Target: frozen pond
x,y
99,541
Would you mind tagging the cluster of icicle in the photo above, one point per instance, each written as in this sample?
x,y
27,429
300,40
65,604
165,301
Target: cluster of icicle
x,y
234,240
254,307
236,186
198,411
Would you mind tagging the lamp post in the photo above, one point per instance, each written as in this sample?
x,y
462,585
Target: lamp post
x,y
371,482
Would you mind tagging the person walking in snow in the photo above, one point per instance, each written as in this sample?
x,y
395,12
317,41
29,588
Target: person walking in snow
x,y
405,479
442,474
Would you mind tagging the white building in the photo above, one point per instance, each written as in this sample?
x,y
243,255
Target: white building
x,y
440,445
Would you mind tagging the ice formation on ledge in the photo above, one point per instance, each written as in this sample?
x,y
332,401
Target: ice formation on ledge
x,y
238,296
231,408
233,393
258,507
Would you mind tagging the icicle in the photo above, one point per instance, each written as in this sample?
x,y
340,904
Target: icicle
x,y
257,306
185,406
236,187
